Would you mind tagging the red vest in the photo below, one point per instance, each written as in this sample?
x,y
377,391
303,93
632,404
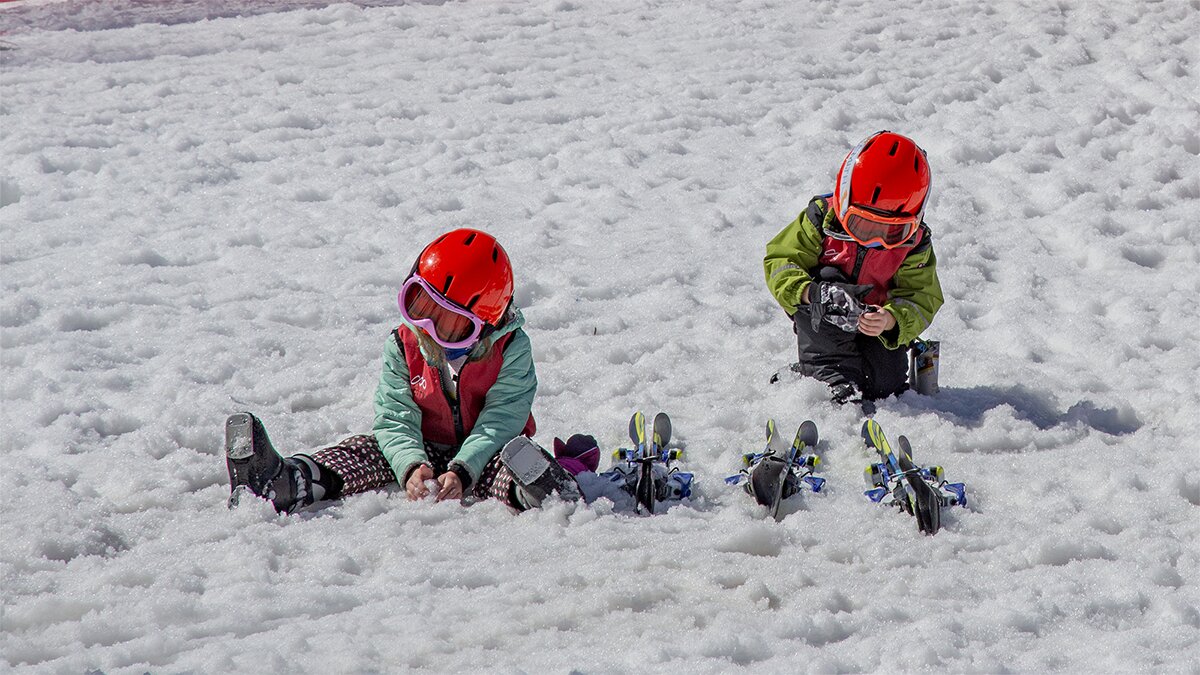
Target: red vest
x,y
877,266
438,412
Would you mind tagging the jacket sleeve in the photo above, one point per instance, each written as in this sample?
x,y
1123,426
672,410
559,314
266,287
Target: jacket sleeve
x,y
915,299
397,417
790,255
505,409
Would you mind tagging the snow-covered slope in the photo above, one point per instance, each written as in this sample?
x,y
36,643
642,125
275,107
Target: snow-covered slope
x,y
204,216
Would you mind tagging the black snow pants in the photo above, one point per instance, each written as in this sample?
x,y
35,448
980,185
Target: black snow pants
x,y
836,357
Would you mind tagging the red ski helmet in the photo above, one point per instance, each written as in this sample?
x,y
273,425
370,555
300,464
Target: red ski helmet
x,y
469,268
882,187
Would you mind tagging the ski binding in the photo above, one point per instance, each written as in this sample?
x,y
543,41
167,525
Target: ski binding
x,y
897,481
647,465
777,473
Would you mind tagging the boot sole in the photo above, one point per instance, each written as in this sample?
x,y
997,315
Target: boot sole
x,y
239,437
525,460
239,449
529,463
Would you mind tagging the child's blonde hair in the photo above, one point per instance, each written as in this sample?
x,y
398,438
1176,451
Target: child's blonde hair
x,y
435,354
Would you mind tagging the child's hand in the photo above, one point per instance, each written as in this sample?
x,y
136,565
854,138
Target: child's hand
x,y
451,486
415,486
875,321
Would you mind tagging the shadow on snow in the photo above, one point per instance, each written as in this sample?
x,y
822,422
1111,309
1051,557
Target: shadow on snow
x,y
969,405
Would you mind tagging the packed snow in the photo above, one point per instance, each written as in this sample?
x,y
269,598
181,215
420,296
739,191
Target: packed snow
x,y
209,212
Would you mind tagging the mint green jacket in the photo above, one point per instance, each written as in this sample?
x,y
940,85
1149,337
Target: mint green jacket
x,y
504,415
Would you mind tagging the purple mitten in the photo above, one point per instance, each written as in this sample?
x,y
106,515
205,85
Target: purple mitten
x,y
578,454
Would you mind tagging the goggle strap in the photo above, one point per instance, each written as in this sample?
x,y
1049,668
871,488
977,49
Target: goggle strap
x,y
847,172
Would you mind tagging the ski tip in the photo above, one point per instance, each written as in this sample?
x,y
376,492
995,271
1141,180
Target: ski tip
x,y
637,428
662,429
807,434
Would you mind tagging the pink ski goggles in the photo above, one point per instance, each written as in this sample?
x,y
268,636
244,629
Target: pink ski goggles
x,y
449,325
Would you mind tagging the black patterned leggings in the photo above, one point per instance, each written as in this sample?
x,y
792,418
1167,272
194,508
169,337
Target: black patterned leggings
x,y
362,467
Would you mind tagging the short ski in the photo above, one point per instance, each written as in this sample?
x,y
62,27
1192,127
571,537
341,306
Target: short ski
x,y
779,472
898,481
648,464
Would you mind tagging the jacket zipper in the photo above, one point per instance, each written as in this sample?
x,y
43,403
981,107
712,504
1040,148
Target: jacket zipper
x,y
452,402
859,259
455,411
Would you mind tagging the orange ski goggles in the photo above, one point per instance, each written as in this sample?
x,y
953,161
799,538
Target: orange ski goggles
x,y
876,228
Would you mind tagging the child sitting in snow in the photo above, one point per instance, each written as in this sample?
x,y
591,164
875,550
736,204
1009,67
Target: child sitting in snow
x,y
457,386
857,273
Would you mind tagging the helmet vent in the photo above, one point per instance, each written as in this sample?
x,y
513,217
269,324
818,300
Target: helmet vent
x,y
895,147
470,238
471,303
917,163
875,194
446,286
495,254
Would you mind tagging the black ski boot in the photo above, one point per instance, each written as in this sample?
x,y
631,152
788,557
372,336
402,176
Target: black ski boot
x,y
767,480
920,498
844,393
791,485
537,474
254,466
